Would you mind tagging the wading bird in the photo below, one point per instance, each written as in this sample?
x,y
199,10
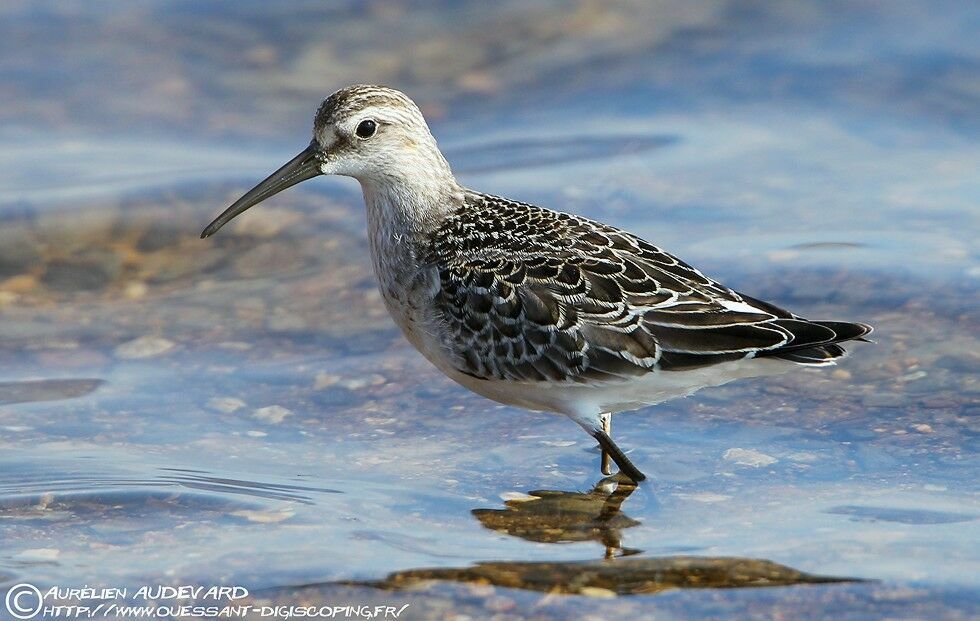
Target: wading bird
x,y
532,307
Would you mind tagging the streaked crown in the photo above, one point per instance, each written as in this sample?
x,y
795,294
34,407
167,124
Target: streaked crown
x,y
350,101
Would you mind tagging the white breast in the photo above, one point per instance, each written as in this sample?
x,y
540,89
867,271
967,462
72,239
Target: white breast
x,y
408,288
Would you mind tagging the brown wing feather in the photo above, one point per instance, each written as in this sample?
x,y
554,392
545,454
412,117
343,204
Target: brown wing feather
x,y
530,294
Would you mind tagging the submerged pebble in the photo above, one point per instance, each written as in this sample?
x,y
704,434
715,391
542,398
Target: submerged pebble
x,y
749,457
273,414
227,405
144,347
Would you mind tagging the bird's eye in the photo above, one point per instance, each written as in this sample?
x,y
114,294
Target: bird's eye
x,y
366,128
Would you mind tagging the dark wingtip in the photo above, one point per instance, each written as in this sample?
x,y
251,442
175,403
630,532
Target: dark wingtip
x,y
847,330
868,329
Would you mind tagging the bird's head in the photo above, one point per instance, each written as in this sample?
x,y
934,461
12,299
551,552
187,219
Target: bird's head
x,y
373,133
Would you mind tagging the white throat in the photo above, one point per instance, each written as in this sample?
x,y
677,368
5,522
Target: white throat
x,y
410,205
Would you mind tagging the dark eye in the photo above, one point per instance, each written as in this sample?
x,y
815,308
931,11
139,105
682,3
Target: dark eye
x,y
366,128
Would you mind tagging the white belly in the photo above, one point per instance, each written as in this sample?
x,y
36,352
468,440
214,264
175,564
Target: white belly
x,y
574,399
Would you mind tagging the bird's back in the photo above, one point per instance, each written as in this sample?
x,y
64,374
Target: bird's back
x,y
535,295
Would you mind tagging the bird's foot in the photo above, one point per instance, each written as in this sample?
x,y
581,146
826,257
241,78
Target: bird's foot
x,y
609,448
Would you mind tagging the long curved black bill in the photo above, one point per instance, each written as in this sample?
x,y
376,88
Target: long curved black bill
x,y
302,167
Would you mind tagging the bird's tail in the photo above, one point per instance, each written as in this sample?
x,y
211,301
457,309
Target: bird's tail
x,y
827,351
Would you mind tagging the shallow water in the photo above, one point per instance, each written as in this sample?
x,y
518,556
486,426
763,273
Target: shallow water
x,y
241,410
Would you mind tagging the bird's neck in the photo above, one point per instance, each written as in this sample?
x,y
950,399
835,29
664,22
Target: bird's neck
x,y
401,218
410,205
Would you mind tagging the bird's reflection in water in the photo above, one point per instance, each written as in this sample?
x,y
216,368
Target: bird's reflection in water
x,y
623,576
564,517
550,516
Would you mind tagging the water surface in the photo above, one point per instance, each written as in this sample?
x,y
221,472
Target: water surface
x,y
242,411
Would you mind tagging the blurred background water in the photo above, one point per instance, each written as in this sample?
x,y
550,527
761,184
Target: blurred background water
x,y
242,411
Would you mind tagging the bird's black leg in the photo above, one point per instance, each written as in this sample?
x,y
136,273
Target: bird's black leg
x,y
605,464
609,447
